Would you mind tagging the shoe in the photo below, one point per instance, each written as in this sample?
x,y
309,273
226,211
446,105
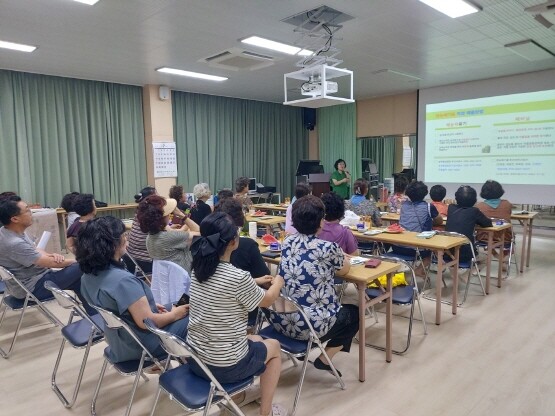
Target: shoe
x,y
319,364
279,410
248,396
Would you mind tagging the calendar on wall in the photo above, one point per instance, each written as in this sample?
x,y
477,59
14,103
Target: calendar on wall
x,y
165,160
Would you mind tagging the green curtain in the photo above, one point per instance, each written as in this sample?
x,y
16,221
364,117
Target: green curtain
x,y
60,135
219,139
337,137
381,150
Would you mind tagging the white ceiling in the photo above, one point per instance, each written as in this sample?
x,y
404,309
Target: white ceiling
x,y
124,41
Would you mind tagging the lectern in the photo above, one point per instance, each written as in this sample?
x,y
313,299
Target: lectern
x,y
312,173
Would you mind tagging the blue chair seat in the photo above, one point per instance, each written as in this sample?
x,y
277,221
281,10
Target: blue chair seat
x,y
77,333
15,303
127,367
192,390
2,287
402,295
293,346
409,258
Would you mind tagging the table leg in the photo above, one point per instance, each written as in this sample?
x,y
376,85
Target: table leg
x,y
529,245
361,287
501,257
525,231
439,282
388,318
488,261
456,282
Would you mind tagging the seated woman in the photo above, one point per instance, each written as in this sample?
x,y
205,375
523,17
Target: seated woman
x,y
494,207
67,205
302,189
221,297
417,215
242,192
395,201
137,239
105,283
176,192
83,205
164,242
309,265
463,217
201,209
437,194
332,230
362,206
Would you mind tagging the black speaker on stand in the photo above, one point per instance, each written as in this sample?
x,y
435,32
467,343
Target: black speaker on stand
x,y
309,118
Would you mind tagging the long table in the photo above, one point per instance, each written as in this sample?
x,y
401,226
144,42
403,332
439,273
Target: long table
x,y
526,221
438,243
491,231
360,276
271,207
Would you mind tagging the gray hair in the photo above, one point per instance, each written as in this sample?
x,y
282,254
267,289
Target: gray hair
x,y
202,190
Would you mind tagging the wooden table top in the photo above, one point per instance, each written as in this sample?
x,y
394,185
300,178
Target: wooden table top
x,y
271,207
266,219
529,216
408,238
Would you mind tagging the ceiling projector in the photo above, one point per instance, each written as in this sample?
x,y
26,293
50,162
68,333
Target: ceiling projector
x,y
314,88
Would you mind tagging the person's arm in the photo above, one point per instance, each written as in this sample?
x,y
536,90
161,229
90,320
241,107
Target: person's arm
x,y
436,218
189,224
70,244
482,220
140,310
345,269
273,292
51,260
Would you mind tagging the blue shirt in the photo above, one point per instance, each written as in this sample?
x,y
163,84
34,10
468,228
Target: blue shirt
x,y
115,290
308,266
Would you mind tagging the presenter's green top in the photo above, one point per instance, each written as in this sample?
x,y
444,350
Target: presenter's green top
x,y
343,189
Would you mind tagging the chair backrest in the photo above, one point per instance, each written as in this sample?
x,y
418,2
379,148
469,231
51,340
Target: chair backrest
x,y
114,322
66,301
5,274
455,234
176,347
138,268
169,281
287,305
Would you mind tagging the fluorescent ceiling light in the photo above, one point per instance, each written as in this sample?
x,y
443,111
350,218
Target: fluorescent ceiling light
x,y
276,46
183,73
530,50
452,8
17,46
89,2
398,73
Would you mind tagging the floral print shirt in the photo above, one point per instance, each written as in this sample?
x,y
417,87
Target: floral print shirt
x,y
308,266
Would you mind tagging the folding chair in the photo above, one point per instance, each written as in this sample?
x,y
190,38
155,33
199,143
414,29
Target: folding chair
x,y
20,305
287,309
401,296
125,368
84,333
138,272
470,266
169,281
508,248
192,392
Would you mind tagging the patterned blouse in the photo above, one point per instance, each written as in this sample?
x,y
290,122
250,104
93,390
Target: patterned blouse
x,y
308,266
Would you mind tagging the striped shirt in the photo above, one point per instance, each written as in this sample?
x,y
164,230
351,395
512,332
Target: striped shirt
x,y
218,315
137,242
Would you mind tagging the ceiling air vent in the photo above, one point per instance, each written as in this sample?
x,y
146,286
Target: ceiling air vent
x,y
237,59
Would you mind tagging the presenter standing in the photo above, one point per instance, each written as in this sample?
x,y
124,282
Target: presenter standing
x,y
340,179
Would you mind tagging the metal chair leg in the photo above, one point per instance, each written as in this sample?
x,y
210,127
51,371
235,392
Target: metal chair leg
x,y
6,354
301,381
97,388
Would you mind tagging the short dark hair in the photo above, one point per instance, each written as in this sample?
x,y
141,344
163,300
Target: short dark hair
x,y
302,189
233,208
97,243
437,193
241,183
416,191
337,162
334,206
466,196
150,214
9,209
204,265
144,193
67,201
7,194
307,213
360,186
400,184
225,193
492,190
176,192
83,204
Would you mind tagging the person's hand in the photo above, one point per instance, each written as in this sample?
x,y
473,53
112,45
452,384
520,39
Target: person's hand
x,y
180,312
161,308
278,280
264,280
58,258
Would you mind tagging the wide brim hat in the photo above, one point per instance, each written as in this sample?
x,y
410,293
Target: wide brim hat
x,y
171,205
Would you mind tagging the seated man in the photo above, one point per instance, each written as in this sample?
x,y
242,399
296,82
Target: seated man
x,y
30,265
